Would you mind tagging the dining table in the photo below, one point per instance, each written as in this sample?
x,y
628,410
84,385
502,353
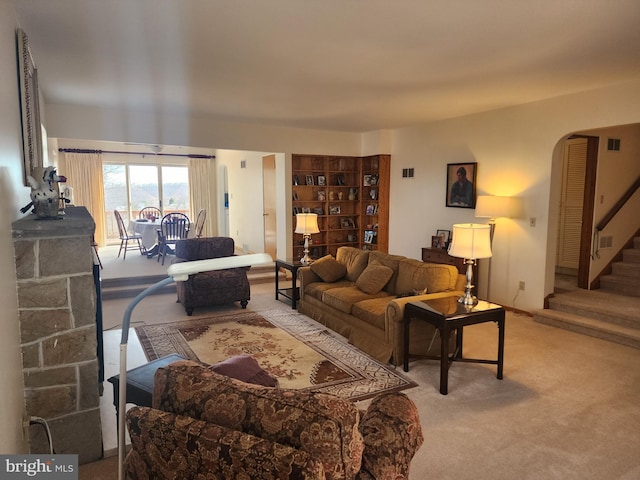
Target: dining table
x,y
148,230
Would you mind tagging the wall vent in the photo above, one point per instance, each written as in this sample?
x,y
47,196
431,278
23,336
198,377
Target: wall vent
x,y
613,144
407,172
606,241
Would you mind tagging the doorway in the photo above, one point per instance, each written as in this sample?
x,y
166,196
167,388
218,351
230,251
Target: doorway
x,y
269,204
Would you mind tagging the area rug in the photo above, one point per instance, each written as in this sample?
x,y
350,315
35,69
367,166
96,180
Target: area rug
x,y
301,353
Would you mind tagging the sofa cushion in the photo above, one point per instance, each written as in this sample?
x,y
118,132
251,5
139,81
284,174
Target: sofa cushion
x,y
391,261
329,269
296,418
374,278
435,277
343,298
317,289
372,311
354,259
246,369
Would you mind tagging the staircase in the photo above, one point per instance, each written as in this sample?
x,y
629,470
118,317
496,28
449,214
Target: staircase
x,y
611,313
114,288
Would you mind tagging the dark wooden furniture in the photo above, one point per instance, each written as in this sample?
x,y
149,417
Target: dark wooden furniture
x,y
447,315
440,255
140,382
291,293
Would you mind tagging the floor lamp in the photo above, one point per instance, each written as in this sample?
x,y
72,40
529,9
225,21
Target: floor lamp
x,y
178,272
470,241
492,207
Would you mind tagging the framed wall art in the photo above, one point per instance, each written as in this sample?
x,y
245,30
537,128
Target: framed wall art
x,y
29,106
461,185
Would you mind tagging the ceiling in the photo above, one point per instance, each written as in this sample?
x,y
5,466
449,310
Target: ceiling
x,y
344,65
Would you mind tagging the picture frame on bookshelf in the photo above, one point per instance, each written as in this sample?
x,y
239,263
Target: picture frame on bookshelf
x,y
373,194
340,180
295,196
334,210
296,180
322,180
318,211
347,222
371,209
309,179
305,210
296,210
369,180
369,237
322,195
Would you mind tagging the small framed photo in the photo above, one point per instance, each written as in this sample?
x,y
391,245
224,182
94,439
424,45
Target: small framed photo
x,y
366,180
295,196
461,185
369,236
373,194
334,210
340,180
322,180
318,211
296,210
309,179
306,210
371,209
444,237
434,241
322,195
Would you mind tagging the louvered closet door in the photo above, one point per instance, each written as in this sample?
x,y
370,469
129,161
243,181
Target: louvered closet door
x,y
573,175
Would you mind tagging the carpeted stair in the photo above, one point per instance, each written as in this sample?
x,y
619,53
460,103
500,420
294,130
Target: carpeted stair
x,y
611,313
129,287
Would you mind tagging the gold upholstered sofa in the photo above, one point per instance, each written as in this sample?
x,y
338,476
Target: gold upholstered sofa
x,y
206,425
361,295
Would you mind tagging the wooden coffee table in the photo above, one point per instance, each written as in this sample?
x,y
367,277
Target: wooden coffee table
x,y
446,314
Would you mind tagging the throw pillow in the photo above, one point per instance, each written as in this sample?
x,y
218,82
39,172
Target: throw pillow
x,y
374,278
246,369
328,269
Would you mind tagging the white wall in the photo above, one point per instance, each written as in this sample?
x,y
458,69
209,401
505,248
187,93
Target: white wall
x,y
13,196
514,148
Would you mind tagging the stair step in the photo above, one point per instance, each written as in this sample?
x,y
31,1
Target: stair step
x,y
631,255
130,291
589,326
621,284
626,269
599,305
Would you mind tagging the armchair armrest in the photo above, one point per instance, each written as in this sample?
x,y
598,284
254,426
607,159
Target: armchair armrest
x,y
392,436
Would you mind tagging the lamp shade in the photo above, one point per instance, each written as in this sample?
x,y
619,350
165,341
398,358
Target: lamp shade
x,y
491,206
471,240
307,223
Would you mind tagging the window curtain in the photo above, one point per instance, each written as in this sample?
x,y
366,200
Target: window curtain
x,y
202,193
84,174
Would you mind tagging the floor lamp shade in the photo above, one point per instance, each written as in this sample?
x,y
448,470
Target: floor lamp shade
x,y
490,206
306,224
470,241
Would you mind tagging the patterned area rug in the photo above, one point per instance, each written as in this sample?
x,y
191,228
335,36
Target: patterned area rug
x,y
301,353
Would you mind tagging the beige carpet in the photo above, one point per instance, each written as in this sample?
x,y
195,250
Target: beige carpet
x,y
567,408
300,353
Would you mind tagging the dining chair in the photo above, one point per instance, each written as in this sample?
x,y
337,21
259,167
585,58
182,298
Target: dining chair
x,y
173,227
126,237
202,214
149,213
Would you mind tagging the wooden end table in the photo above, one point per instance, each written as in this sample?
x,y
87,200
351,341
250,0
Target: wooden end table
x,y
291,293
140,382
446,314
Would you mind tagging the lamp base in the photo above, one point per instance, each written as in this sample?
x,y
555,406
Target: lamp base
x,y
468,298
306,260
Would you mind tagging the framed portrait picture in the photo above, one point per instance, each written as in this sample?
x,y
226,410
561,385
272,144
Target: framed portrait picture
x,y
334,210
369,236
322,180
444,237
461,185
309,179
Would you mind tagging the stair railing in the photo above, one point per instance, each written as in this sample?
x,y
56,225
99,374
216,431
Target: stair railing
x,y
611,215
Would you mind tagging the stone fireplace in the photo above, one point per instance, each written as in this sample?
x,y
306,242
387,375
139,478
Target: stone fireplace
x,y
57,316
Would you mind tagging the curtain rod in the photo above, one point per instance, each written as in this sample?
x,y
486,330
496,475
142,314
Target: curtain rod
x,y
83,150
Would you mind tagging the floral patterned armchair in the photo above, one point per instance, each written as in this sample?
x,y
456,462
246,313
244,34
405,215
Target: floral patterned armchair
x,y
206,425
211,288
